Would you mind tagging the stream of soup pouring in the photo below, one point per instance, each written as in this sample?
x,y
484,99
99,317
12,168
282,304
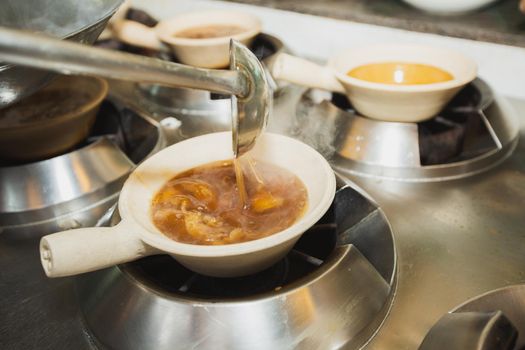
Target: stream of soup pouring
x,y
239,178
229,202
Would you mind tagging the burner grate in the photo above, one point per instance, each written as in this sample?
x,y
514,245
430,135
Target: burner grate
x,y
457,133
474,132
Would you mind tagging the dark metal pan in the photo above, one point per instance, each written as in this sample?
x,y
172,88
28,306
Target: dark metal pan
x,y
73,20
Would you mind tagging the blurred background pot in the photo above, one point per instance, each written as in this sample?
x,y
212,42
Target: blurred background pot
x,y
52,120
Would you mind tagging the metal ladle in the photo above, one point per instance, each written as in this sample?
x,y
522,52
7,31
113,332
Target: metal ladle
x,y
245,80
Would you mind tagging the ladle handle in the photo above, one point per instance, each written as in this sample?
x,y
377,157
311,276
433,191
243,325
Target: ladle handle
x,y
305,73
82,250
39,51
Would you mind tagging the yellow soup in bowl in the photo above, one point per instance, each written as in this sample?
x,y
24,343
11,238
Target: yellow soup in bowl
x,y
400,73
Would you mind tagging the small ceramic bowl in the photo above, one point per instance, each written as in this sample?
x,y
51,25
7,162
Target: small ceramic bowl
x,y
210,52
52,120
198,52
388,102
87,249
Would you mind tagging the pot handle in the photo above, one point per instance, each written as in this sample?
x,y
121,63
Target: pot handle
x,y
82,250
137,34
305,73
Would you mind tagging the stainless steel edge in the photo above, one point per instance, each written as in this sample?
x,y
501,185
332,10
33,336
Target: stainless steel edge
x,y
55,183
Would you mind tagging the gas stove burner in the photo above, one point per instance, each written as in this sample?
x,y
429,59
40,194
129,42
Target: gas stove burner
x,y
190,101
494,320
333,289
475,132
164,273
76,188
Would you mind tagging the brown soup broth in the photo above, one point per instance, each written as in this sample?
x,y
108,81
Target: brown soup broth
x,y
210,31
203,205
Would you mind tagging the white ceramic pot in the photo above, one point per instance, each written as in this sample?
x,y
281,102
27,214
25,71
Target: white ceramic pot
x,y
388,102
87,249
449,7
205,53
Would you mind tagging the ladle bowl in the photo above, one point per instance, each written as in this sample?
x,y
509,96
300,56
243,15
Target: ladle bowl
x,y
87,249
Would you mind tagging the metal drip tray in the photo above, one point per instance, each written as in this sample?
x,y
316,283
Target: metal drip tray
x,y
334,289
473,133
76,188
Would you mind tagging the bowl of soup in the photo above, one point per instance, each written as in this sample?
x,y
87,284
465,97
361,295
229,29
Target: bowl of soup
x,y
398,83
202,39
406,83
186,201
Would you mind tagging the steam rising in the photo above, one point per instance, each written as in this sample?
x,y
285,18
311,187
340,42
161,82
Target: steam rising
x,y
313,125
56,17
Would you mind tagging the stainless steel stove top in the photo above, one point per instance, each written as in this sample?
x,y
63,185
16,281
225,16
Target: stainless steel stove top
x,y
333,289
454,240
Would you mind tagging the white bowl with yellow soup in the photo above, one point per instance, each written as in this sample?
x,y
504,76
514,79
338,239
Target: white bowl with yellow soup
x,y
399,83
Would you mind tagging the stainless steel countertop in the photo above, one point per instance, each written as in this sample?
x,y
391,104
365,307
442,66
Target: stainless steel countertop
x,y
36,312
455,240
